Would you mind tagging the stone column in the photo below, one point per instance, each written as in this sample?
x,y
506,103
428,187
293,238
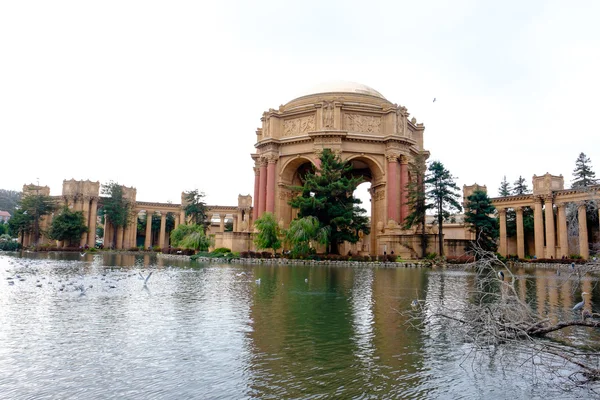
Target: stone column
x,y
538,227
550,240
119,237
127,237
520,233
584,250
271,185
92,222
107,232
563,236
77,203
404,211
503,244
148,239
86,219
256,192
262,195
392,201
176,219
182,217
163,229
221,222
317,162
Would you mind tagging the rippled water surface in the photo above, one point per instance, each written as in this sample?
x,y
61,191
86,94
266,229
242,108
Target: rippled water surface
x,y
75,327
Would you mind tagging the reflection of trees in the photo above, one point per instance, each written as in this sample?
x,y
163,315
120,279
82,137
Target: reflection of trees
x,y
495,313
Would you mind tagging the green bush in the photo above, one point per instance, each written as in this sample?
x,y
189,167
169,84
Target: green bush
x,y
10,246
431,256
221,250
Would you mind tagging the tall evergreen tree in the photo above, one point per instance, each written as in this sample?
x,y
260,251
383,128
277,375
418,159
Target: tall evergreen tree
x,y
504,189
328,195
417,199
195,208
478,215
37,206
520,186
583,175
68,226
116,207
441,192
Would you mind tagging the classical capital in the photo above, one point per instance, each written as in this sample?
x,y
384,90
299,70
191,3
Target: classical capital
x,y
502,211
392,157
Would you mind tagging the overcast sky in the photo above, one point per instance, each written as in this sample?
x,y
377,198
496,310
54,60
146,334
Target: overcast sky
x,y
167,96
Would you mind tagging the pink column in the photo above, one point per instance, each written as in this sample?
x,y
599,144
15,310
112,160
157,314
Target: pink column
x,y
271,186
256,192
404,211
262,188
392,189
317,163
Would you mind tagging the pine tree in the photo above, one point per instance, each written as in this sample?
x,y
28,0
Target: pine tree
x,y
116,207
478,216
441,193
583,174
195,207
328,195
504,189
417,199
520,186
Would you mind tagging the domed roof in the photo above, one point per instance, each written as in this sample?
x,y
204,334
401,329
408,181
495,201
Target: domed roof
x,y
341,87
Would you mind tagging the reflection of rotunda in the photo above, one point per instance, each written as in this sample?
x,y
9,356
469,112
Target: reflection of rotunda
x,y
356,122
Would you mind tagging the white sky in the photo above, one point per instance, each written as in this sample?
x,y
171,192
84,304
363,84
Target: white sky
x,y
167,96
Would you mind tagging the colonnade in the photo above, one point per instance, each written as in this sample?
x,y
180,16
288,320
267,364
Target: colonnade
x,y
264,186
397,192
550,233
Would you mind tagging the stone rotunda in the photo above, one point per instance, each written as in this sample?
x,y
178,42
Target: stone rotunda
x,y
364,128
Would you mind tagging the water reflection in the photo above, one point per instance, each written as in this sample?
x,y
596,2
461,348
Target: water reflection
x,y
209,331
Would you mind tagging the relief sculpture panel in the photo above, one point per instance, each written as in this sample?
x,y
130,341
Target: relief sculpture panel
x,y
296,126
362,123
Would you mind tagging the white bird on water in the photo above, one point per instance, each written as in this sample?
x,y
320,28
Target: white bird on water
x,y
146,278
258,281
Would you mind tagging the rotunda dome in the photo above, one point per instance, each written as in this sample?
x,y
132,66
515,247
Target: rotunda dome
x,y
340,87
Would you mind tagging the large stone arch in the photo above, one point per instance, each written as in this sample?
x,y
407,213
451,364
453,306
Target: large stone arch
x,y
360,125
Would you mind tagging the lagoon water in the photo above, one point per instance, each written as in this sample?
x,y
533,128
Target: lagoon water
x,y
74,327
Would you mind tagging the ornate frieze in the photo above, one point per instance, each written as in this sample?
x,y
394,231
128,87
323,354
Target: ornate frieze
x,y
362,123
296,126
285,194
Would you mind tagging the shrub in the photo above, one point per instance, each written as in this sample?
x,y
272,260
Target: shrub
x,y
244,254
266,254
223,250
134,249
367,258
10,246
431,256
391,258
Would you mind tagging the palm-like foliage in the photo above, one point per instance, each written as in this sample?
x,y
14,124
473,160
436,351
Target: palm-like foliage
x,y
303,233
267,236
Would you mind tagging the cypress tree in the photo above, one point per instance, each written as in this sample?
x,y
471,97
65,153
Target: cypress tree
x,y
504,189
478,216
520,186
583,174
328,195
441,192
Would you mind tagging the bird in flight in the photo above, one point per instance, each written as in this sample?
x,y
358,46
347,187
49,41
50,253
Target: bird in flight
x,y
434,99
146,278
